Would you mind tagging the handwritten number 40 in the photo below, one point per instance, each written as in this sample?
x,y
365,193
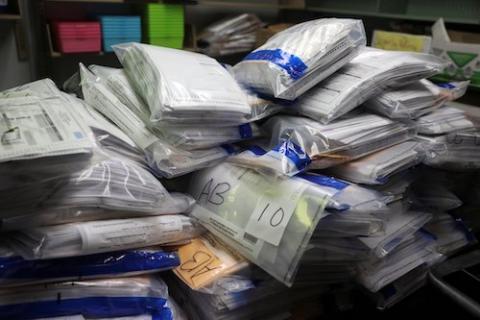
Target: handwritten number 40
x,y
276,217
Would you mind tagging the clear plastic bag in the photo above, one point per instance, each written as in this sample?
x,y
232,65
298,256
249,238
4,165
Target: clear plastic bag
x,y
34,127
397,185
230,35
400,224
368,74
40,88
451,233
346,250
296,59
376,168
181,86
165,159
396,291
196,137
168,162
117,81
15,271
176,203
349,224
347,196
91,299
179,135
92,237
415,100
417,250
107,187
300,143
261,107
457,151
106,134
269,224
444,120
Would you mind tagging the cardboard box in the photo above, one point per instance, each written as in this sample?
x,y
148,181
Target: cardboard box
x,y
398,41
460,49
263,34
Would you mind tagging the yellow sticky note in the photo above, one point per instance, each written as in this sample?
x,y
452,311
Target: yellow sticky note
x,y
400,41
204,260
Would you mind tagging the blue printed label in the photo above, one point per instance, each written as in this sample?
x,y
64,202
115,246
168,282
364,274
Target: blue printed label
x,y
446,85
294,153
324,180
245,131
292,64
230,149
256,150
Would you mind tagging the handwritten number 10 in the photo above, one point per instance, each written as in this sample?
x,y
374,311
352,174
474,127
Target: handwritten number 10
x,y
276,218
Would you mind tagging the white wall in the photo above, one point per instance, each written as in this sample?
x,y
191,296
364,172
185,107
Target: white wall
x,y
12,71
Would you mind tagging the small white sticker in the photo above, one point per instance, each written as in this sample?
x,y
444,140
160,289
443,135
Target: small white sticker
x,y
274,210
110,235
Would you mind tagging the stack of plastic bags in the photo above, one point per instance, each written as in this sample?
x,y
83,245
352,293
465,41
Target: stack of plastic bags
x,y
82,217
366,233
229,36
181,108
307,207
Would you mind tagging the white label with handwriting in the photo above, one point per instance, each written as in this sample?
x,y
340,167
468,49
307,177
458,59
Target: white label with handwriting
x,y
274,210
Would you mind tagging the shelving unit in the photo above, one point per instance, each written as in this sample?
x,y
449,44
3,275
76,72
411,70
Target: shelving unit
x,y
463,12
12,12
9,16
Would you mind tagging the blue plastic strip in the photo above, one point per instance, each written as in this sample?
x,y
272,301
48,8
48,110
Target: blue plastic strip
x,y
446,85
426,234
245,131
293,152
230,149
382,180
294,66
256,150
89,307
92,265
324,180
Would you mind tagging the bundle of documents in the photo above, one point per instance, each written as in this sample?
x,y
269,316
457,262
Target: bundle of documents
x,y
230,35
181,86
299,143
379,166
91,237
456,151
416,99
367,75
296,59
444,120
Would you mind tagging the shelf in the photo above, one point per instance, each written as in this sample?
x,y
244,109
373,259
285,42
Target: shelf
x,y
94,1
9,16
282,4
391,15
115,1
56,54
258,4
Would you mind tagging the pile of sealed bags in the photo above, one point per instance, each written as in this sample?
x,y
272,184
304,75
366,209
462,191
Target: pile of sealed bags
x,y
85,227
274,214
